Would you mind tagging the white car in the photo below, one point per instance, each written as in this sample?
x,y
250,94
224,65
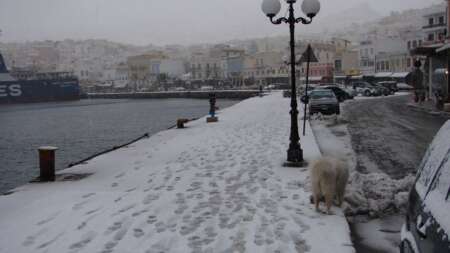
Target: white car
x,y
427,224
365,89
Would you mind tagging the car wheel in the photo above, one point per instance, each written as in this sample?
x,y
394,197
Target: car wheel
x,y
405,247
367,93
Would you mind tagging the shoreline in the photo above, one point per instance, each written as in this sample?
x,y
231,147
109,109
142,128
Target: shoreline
x,y
220,94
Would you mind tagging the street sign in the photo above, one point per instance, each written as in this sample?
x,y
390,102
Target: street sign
x,y
308,55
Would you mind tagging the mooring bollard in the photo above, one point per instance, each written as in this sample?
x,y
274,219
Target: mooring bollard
x,y
212,109
181,122
47,163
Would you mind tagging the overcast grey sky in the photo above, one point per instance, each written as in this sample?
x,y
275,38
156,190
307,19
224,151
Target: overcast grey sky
x,y
156,21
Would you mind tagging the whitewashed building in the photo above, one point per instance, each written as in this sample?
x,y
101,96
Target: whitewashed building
x,y
435,28
173,68
373,45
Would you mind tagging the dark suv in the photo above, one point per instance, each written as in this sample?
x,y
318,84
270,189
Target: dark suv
x,y
427,226
391,85
340,94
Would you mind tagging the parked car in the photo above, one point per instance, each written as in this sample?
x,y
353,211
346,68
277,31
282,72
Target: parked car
x,y
427,224
366,89
391,85
323,101
340,94
349,90
383,90
310,89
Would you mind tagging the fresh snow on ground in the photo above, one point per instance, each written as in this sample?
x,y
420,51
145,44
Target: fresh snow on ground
x,y
216,187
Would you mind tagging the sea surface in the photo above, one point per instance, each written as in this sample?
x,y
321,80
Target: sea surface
x,y
80,129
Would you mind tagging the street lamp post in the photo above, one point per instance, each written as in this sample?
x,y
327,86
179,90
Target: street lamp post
x,y
310,8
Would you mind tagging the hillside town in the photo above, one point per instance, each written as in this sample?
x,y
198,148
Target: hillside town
x,y
384,48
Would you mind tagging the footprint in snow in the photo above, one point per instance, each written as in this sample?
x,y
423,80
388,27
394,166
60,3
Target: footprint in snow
x,y
160,227
93,211
114,227
88,195
85,240
49,242
47,220
120,175
150,198
132,189
138,213
151,219
125,209
137,232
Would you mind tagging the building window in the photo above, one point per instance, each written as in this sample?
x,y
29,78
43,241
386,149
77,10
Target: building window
x,y
441,20
371,51
420,43
430,21
414,44
431,37
409,44
338,65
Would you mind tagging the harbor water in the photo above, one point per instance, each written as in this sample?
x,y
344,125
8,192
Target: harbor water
x,y
81,128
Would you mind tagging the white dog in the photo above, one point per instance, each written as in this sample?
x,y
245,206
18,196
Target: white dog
x,y
328,179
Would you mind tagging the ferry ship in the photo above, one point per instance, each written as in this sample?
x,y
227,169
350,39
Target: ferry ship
x,y
36,87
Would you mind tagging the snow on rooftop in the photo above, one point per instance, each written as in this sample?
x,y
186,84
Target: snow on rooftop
x,y
400,74
207,188
383,74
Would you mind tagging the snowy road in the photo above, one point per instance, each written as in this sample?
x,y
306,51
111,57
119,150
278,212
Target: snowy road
x,y
384,140
388,135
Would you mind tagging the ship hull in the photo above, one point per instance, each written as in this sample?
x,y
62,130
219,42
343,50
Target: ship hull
x,y
33,91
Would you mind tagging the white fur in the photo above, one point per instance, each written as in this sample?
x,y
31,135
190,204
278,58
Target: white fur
x,y
328,179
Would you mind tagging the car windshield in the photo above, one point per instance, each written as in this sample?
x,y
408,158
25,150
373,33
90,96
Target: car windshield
x,y
318,94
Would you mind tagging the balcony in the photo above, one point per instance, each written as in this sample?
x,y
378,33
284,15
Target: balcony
x,y
438,25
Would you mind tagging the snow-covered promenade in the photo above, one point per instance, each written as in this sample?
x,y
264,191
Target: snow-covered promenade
x,y
216,187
